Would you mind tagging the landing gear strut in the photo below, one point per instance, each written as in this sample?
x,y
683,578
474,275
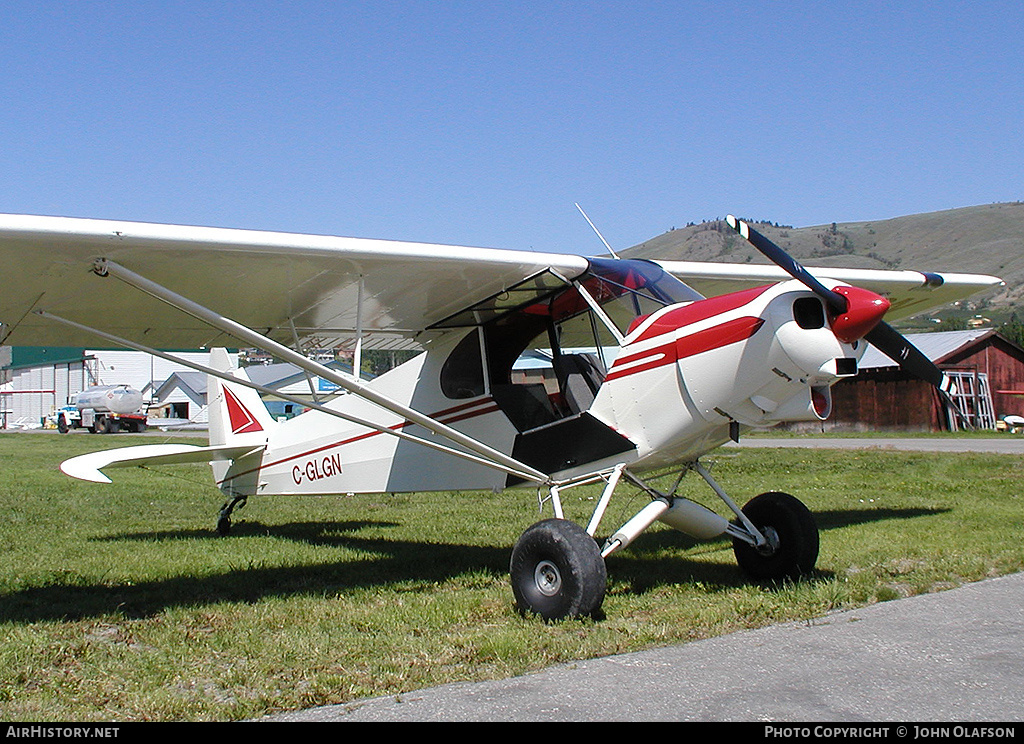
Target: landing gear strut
x,y
558,569
224,520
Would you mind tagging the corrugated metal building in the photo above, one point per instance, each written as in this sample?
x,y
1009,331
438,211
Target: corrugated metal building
x,y
40,380
883,397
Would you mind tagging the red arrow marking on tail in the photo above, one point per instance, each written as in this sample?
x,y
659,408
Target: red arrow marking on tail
x,y
242,422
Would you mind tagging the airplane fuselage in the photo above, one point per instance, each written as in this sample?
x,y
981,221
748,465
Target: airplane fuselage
x,y
685,378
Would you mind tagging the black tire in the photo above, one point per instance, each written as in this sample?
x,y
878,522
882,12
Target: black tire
x,y
557,571
792,534
107,425
62,424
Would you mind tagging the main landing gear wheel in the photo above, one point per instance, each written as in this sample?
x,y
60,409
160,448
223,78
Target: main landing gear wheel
x,y
792,535
557,571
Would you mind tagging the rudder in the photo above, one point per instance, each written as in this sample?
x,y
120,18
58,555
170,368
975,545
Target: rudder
x,y
236,412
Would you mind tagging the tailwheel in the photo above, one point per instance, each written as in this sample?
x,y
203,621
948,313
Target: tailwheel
x,y
224,518
792,538
557,571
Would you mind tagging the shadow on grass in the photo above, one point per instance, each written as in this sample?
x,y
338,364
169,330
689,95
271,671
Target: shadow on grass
x,y
639,571
392,562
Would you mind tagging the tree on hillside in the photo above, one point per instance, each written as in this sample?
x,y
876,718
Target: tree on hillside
x,y
1013,329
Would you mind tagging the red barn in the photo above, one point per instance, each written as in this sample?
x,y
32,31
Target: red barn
x,y
882,396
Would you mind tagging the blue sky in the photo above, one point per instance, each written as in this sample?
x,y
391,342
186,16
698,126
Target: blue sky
x,y
481,123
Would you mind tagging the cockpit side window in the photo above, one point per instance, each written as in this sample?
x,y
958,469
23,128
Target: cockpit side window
x,y
462,375
526,402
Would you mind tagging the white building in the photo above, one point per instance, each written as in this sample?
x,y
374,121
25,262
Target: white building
x,y
37,381
181,397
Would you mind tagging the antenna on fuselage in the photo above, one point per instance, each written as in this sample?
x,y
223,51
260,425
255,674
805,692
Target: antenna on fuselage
x,y
596,230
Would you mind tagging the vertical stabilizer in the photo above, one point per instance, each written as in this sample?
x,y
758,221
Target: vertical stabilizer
x,y
236,412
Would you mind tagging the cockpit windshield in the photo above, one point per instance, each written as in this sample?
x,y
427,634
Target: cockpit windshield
x,y
628,289
625,288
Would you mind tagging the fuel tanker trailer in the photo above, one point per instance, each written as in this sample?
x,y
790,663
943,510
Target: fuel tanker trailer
x,y
105,409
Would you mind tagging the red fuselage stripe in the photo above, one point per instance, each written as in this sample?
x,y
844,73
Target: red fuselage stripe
x,y
489,402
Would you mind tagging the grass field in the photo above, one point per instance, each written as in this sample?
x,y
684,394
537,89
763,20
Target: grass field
x,y
119,603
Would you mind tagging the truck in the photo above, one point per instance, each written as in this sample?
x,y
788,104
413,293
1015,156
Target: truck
x,y
104,409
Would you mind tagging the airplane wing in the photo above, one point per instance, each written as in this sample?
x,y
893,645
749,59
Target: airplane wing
x,y
909,292
314,288
264,280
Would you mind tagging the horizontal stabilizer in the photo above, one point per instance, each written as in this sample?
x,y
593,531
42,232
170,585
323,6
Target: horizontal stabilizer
x,y
87,467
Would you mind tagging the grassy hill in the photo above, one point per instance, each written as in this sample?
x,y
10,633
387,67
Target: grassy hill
x,y
985,239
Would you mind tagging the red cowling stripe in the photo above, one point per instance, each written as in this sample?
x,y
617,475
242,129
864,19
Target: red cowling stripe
x,y
700,310
716,337
727,333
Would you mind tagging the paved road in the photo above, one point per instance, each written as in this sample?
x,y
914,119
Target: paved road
x,y
955,656
1007,445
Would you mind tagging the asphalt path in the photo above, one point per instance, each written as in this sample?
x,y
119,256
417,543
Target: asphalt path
x,y
951,657
1006,445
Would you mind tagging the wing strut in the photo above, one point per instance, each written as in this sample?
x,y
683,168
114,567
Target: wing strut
x,y
227,376
104,267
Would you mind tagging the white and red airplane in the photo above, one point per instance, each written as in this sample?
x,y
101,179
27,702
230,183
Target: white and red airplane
x,y
655,364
